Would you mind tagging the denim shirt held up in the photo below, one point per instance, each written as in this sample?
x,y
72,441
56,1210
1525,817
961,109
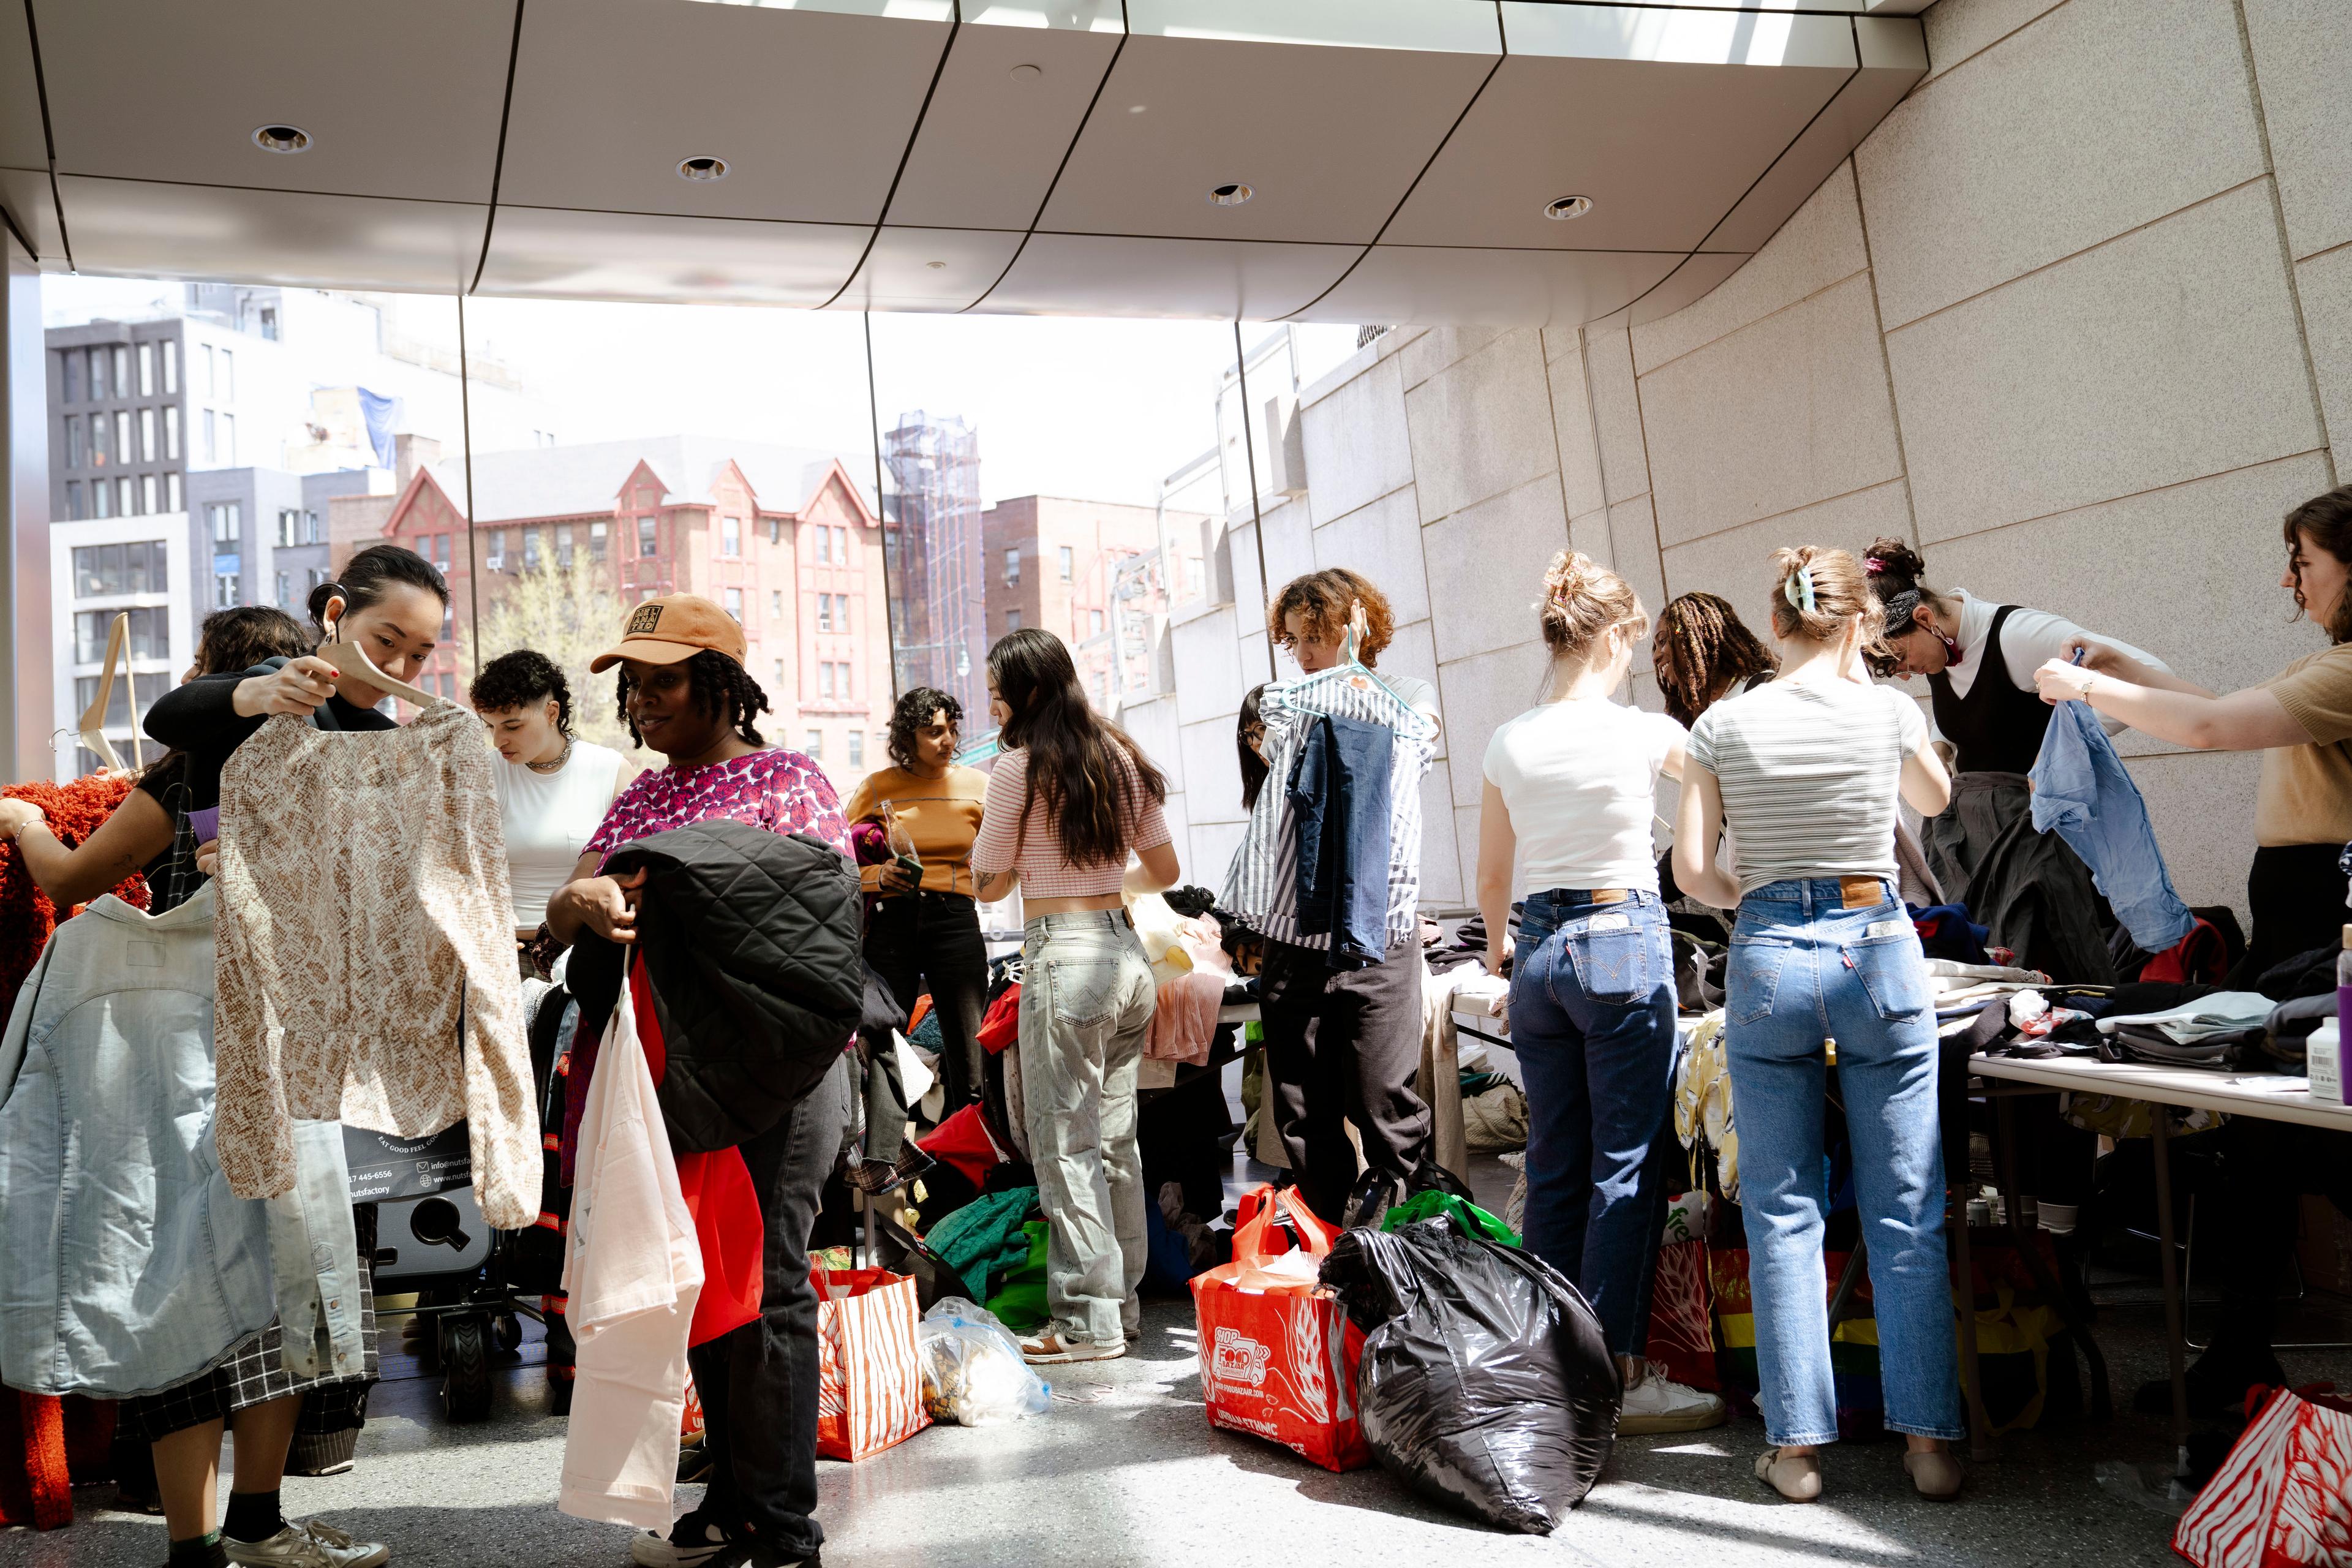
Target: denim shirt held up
x,y
130,1266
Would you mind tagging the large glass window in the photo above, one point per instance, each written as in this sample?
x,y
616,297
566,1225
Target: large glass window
x,y
98,383
171,367
150,632
102,569
149,684
146,434
76,456
146,370
121,355
731,536
171,431
70,365
226,520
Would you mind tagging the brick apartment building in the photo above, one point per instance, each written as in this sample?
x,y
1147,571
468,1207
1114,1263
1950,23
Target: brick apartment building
x,y
1086,572
783,537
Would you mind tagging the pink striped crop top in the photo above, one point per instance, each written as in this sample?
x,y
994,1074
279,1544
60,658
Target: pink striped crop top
x,y
1043,873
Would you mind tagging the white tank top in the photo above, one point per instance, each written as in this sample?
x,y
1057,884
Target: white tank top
x,y
550,817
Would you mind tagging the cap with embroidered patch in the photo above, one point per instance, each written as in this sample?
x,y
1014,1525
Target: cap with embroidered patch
x,y
673,627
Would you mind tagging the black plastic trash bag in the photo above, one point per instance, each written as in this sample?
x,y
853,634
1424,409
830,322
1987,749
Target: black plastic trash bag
x,y
1485,1383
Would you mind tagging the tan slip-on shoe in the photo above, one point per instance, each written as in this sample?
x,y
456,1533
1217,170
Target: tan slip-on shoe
x,y
1796,1477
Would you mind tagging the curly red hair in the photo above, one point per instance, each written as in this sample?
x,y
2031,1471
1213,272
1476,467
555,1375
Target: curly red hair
x,y
1323,600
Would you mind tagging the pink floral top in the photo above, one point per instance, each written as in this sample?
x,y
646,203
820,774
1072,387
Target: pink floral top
x,y
782,791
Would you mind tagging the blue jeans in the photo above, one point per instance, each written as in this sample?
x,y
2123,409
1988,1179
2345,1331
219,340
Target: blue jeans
x,y
1805,968
1592,1020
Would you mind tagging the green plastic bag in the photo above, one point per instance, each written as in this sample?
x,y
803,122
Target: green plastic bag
x,y
1430,1205
1020,1301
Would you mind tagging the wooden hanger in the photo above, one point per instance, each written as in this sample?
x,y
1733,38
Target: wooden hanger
x,y
353,663
93,718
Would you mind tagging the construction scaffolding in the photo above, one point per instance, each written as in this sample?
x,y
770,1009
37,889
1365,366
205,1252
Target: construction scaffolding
x,y
939,599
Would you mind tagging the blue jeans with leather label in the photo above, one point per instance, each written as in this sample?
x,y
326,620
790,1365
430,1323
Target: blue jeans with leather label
x,y
1805,969
1592,1021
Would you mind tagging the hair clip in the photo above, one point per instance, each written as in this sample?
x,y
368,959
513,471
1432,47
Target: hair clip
x,y
1799,589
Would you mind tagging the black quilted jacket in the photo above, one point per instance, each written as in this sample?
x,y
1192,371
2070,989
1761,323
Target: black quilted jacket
x,y
752,944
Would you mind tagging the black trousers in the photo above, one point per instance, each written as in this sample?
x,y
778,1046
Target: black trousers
x,y
2296,897
1343,1044
759,1383
918,940
2266,1166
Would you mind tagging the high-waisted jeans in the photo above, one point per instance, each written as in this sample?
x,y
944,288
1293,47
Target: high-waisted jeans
x,y
1804,969
1592,1021
1086,999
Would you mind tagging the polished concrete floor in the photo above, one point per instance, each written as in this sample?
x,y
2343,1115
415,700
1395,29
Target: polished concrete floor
x,y
1125,1471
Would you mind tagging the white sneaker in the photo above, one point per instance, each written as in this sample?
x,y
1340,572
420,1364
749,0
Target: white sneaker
x,y
693,1541
1659,1404
309,1544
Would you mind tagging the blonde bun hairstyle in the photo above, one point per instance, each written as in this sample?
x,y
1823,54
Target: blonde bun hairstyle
x,y
1815,589
1582,599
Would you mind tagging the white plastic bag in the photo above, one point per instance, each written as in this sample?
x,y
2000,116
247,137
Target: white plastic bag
x,y
973,1372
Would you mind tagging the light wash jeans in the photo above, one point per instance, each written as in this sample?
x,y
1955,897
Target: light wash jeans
x,y
1086,999
1804,969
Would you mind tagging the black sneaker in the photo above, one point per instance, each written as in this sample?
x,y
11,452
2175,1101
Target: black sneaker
x,y
750,1553
2215,1384
694,1539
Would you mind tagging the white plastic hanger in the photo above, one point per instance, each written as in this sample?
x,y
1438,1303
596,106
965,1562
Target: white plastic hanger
x,y
1353,668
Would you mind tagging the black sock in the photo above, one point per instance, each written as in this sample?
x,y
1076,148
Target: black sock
x,y
203,1552
252,1516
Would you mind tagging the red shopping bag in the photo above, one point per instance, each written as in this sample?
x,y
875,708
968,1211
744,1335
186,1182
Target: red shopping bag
x,y
1682,1316
2282,1498
1278,1354
869,1382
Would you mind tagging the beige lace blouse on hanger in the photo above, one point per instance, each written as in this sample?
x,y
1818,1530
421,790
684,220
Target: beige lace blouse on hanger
x,y
365,921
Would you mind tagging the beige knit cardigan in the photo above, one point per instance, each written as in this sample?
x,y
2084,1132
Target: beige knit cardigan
x,y
365,923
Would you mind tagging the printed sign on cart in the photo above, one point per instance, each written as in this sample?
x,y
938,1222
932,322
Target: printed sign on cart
x,y
386,1165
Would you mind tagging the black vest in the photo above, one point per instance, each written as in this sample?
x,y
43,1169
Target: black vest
x,y
1996,728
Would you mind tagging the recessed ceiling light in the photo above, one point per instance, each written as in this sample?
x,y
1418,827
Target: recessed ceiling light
x,y
1026,73
1568,208
282,139
1135,109
935,266
702,169
1230,195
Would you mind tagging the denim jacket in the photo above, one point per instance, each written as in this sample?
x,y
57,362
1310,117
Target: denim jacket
x,y
130,1266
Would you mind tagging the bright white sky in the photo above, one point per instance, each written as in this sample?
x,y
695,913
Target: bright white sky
x,y
1089,408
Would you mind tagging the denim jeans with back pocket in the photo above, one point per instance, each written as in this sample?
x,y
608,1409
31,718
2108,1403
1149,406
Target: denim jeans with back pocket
x,y
1592,1022
1813,961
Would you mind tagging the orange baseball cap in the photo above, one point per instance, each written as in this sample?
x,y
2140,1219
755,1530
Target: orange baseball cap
x,y
673,627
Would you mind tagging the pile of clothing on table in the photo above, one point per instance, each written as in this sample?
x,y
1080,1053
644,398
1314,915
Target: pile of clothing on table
x,y
2159,1022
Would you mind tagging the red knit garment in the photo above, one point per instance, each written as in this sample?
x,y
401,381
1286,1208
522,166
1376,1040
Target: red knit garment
x,y
26,917
718,1193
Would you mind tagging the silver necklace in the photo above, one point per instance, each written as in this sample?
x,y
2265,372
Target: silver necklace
x,y
556,766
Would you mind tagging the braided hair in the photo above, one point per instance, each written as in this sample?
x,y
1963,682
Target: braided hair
x,y
721,688
1703,651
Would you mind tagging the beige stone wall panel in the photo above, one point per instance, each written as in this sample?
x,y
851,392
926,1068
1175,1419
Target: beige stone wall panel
x,y
2100,117
1481,425
2167,355
1486,565
2301,49
1357,447
1789,411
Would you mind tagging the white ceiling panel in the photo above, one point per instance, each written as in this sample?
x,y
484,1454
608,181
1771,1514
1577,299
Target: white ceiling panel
x,y
931,270
22,144
1893,58
1103,274
209,233
400,103
556,253
1693,280
1663,119
1013,96
811,105
25,193
1326,109
1490,288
